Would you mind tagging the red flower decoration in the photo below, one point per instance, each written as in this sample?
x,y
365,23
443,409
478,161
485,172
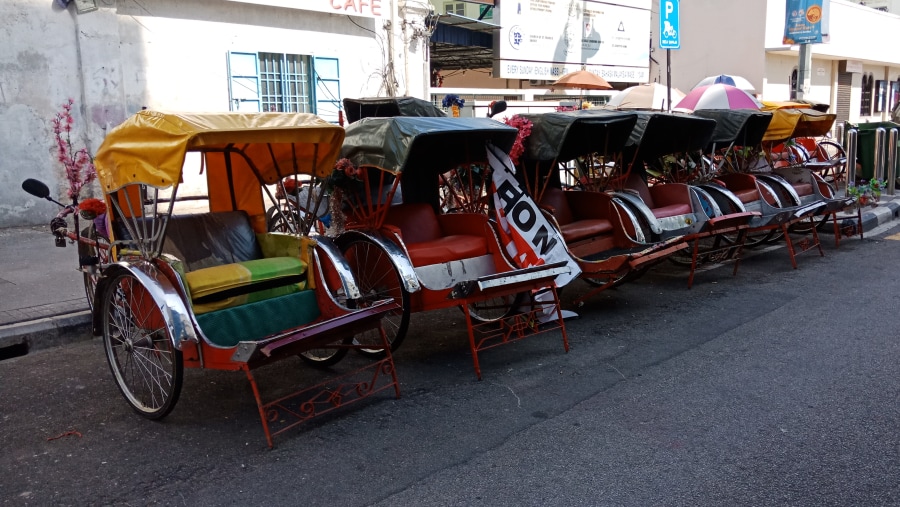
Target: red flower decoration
x,y
524,127
92,206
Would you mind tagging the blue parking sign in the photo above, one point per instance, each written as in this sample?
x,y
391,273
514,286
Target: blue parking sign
x,y
669,34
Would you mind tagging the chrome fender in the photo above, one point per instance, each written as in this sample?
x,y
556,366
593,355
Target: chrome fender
x,y
326,247
164,293
395,252
638,205
700,196
723,195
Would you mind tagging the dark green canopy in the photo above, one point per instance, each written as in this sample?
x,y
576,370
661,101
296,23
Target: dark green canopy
x,y
402,144
658,134
565,135
356,109
743,127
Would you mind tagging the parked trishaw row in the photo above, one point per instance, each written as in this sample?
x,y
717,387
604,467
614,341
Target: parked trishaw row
x,y
319,240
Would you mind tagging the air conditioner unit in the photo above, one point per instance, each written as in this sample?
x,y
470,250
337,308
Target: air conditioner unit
x,y
537,82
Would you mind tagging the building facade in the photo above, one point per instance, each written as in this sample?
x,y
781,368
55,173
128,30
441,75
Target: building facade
x,y
115,57
857,72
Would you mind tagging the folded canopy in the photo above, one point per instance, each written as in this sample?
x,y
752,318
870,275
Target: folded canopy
x,y
789,123
356,109
401,144
566,135
149,147
742,127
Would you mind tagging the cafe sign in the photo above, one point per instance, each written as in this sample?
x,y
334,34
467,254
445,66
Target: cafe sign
x,y
362,8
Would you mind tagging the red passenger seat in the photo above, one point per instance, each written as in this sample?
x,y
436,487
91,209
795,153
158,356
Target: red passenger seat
x,y
572,228
424,240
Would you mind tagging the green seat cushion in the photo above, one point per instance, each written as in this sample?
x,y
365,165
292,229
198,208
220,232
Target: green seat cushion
x,y
231,285
254,321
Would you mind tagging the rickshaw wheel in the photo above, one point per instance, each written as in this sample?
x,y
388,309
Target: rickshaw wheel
x,y
684,257
378,279
144,362
324,357
275,221
497,308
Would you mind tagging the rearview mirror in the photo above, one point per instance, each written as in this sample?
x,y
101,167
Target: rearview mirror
x,y
36,188
497,107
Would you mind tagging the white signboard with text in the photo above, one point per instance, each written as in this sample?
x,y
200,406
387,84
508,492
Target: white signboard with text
x,y
363,8
544,39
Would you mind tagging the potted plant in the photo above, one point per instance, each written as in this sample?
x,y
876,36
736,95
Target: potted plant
x,y
866,192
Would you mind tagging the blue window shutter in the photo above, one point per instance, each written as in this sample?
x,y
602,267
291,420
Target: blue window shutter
x,y
327,88
243,82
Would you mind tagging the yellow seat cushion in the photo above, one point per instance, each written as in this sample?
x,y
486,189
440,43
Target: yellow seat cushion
x,y
234,284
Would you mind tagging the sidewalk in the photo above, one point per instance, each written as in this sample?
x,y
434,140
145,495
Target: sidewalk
x,y
43,303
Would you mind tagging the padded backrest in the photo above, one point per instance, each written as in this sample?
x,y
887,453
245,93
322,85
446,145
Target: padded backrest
x,y
635,182
556,198
417,222
211,239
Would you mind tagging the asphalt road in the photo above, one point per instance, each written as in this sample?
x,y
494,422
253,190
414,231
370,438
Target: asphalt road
x,y
774,387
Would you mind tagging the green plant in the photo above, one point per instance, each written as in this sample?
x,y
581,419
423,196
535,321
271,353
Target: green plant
x,y
865,191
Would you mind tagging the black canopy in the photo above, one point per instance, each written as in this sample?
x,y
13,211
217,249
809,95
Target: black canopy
x,y
566,135
658,134
356,109
743,127
402,144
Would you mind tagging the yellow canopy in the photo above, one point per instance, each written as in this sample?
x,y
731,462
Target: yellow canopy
x,y
771,105
150,147
788,123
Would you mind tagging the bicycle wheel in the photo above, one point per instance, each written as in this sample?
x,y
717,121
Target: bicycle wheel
x,y
498,308
276,221
91,259
378,279
325,357
147,368
830,151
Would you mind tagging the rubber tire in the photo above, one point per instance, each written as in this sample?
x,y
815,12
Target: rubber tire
x,y
498,310
365,258
134,331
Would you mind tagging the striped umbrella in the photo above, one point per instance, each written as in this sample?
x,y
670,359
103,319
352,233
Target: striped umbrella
x,y
717,96
736,81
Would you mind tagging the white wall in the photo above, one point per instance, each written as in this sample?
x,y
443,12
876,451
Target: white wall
x,y
164,54
717,37
857,33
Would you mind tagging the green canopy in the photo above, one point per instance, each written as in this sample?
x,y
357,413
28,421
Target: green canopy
x,y
402,144
566,135
742,127
384,107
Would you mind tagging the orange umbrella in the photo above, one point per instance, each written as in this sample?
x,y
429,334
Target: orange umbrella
x,y
582,80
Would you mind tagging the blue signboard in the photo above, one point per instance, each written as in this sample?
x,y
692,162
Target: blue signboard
x,y
805,21
669,34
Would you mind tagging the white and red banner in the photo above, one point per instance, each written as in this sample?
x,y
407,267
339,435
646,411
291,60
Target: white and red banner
x,y
527,236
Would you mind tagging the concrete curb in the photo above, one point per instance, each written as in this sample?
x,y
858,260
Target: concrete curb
x,y
46,332
871,217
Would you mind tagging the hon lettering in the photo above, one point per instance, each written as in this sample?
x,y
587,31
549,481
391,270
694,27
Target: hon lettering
x,y
524,214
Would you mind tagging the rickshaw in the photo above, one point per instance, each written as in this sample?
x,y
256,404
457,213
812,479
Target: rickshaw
x,y
400,244
601,233
743,179
298,201
657,150
213,289
664,149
